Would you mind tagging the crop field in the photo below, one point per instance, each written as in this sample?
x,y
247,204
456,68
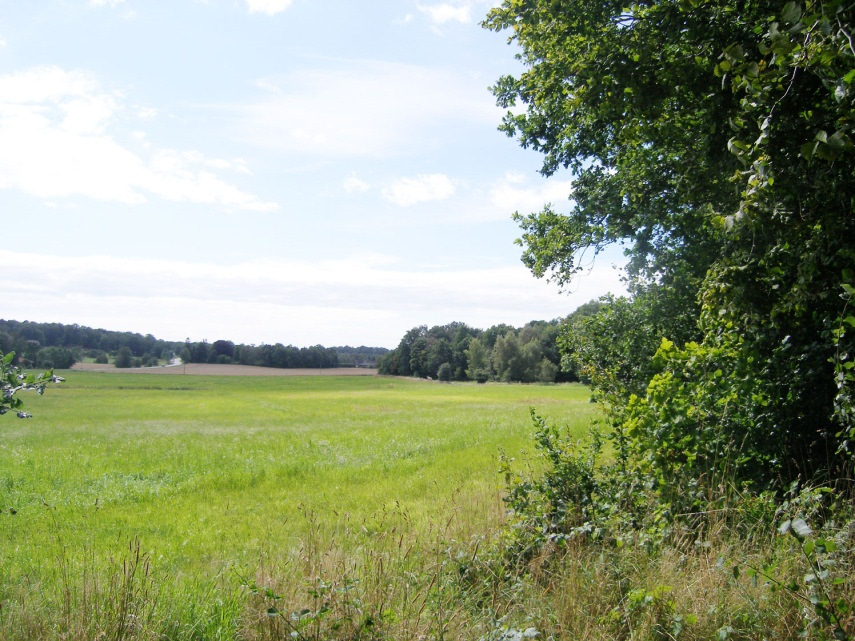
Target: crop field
x,y
178,506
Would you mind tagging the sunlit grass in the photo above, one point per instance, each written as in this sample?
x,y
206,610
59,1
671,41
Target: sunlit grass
x,y
217,474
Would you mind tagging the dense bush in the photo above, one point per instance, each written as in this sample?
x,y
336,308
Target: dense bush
x,y
55,358
124,358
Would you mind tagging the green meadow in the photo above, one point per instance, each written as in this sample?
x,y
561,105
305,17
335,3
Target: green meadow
x,y
170,499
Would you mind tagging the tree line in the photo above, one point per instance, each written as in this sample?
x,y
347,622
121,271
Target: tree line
x,y
459,352
55,345
278,355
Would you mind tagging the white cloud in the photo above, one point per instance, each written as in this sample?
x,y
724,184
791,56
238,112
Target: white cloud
x,y
462,11
3,42
146,113
444,12
515,193
58,140
354,185
421,189
104,3
363,108
270,7
368,299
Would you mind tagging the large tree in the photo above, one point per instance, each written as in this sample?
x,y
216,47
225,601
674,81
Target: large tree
x,y
713,138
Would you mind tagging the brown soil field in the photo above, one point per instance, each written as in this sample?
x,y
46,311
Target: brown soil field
x,y
201,369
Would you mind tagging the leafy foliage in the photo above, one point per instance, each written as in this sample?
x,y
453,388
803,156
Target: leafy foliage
x,y
560,504
13,381
714,140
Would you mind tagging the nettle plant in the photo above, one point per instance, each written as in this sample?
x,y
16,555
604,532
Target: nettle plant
x,y
14,380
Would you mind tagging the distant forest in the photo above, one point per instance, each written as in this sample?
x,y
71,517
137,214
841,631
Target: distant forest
x,y
532,353
55,345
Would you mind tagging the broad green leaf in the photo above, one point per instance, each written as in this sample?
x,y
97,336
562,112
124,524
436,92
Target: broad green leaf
x,y
791,12
801,528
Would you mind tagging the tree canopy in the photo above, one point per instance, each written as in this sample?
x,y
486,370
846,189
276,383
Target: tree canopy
x,y
501,352
713,138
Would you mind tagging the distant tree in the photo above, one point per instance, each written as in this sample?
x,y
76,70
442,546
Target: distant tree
x,y
492,334
200,352
439,353
444,372
55,357
507,359
6,342
223,348
478,359
124,358
418,356
547,372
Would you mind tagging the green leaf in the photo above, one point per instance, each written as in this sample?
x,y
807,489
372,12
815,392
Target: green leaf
x,y
800,528
827,545
791,12
734,53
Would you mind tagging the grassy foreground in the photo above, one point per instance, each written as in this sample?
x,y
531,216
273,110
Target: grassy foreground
x,y
185,507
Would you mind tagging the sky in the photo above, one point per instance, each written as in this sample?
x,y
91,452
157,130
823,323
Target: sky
x,y
305,172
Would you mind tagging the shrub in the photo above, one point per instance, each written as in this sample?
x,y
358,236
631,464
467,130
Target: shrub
x,y
55,357
444,373
124,358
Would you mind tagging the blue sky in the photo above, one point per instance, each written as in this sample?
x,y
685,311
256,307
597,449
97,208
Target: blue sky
x,y
265,171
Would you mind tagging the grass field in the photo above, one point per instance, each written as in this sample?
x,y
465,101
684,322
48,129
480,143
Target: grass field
x,y
224,482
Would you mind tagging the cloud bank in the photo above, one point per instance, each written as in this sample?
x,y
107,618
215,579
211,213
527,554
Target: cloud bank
x,y
57,142
363,109
366,299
